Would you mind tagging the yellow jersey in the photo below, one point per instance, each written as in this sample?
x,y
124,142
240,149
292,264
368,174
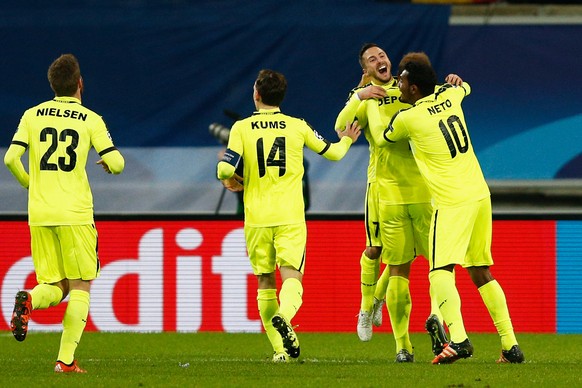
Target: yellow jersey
x,y
392,168
59,134
271,144
436,129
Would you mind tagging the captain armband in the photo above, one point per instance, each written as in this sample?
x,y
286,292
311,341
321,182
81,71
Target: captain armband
x,y
231,157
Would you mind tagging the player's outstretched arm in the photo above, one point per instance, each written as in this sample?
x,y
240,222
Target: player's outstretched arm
x,y
371,91
454,79
334,151
366,79
352,130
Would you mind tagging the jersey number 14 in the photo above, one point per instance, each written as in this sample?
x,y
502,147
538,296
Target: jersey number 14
x,y
276,157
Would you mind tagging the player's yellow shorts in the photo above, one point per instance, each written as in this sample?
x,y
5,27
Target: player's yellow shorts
x,y
404,231
372,217
64,251
282,246
461,235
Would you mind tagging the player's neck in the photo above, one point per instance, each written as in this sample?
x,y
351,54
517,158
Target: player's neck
x,y
261,105
382,83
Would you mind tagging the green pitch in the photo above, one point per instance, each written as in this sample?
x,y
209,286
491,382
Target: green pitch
x,y
243,360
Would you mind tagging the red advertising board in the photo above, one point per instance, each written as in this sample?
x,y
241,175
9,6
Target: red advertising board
x,y
194,275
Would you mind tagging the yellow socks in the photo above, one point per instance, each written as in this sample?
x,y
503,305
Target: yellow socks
x,y
290,298
434,307
399,305
45,295
443,289
369,277
74,323
382,285
268,306
494,298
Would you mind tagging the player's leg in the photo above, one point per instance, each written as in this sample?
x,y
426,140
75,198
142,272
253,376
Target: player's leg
x,y
442,286
380,296
399,304
46,295
479,260
268,307
369,270
74,322
290,242
46,252
81,264
262,258
448,240
51,287
421,215
369,263
398,244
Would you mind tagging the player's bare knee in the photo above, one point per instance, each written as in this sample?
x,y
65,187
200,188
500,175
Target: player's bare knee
x,y
402,270
373,253
480,275
267,281
290,272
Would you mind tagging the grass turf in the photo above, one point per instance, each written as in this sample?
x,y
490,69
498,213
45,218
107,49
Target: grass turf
x,y
244,360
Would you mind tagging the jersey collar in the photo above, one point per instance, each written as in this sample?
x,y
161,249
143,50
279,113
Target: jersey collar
x,y
67,100
429,98
267,111
393,82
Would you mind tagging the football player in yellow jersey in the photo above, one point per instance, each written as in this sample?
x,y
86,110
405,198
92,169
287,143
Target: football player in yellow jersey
x,y
461,225
58,135
271,145
398,207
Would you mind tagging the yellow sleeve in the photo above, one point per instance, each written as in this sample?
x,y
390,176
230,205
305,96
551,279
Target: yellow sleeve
x,y
233,154
12,160
338,150
101,140
375,123
224,170
114,160
330,151
348,113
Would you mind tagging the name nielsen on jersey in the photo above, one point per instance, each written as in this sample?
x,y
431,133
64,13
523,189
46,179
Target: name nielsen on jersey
x,y
65,113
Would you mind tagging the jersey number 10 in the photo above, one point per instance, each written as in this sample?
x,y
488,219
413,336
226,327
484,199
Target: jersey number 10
x,y
451,131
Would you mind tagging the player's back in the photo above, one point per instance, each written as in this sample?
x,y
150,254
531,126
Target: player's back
x,y
59,136
443,149
273,167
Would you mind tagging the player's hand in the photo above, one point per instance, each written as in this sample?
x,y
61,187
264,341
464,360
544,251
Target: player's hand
x,y
352,130
233,183
104,165
453,79
371,91
364,80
